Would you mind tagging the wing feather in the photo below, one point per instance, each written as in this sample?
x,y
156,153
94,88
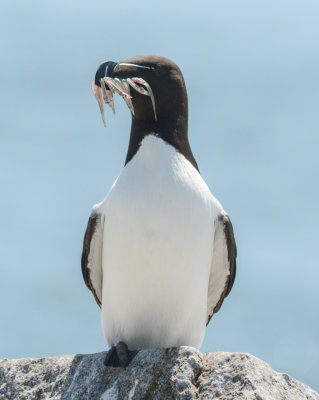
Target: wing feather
x,y
223,267
92,255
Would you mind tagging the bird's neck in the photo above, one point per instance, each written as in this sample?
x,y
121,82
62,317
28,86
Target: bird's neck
x,y
172,128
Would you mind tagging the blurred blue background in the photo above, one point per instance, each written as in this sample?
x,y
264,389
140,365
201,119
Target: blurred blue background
x,y
251,70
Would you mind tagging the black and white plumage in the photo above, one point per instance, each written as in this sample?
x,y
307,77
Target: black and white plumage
x,y
159,253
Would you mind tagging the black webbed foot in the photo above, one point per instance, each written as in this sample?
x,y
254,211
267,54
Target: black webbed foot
x,y
119,356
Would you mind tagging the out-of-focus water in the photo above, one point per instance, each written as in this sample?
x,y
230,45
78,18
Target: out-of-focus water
x,y
251,69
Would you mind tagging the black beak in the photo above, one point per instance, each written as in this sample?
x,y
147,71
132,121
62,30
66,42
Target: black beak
x,y
105,69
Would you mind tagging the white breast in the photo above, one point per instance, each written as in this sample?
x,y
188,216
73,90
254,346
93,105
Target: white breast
x,y
157,251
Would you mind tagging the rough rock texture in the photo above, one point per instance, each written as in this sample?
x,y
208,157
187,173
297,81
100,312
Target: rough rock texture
x,y
181,373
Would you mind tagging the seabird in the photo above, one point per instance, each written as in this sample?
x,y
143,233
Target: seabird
x,y
159,253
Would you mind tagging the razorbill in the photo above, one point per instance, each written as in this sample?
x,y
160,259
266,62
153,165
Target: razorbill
x,y
159,253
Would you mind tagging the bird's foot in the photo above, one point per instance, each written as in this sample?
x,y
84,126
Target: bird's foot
x,y
119,356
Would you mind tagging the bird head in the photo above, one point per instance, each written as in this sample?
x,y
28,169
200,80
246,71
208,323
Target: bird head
x,y
152,87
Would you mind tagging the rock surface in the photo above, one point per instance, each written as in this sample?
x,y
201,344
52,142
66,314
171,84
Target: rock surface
x,y
180,373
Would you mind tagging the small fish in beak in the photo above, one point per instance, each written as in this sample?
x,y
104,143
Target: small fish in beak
x,y
97,93
109,86
107,95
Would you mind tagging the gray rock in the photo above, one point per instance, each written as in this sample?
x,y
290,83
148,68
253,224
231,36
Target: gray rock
x,y
180,373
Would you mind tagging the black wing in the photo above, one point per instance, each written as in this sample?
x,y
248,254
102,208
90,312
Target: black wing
x,y
92,256
223,267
